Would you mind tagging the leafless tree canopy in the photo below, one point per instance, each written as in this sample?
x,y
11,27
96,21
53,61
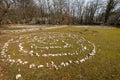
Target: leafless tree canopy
x,y
60,12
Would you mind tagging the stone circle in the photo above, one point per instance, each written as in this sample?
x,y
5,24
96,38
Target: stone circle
x,y
47,49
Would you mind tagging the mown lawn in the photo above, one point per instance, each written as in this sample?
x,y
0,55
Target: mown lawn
x,y
105,65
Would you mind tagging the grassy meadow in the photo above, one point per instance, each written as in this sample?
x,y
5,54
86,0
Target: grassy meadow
x,y
104,65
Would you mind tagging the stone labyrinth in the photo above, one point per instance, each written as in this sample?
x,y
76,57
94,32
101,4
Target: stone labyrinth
x,y
47,50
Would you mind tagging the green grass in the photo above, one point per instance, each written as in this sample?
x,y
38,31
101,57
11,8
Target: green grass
x,y
105,65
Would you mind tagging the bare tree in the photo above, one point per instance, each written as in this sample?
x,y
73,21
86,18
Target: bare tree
x,y
5,6
59,11
80,10
91,11
111,4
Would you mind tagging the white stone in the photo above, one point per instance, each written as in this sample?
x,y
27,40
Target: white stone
x,y
18,76
40,66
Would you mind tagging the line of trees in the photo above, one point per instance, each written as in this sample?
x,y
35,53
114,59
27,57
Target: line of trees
x,y
60,12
